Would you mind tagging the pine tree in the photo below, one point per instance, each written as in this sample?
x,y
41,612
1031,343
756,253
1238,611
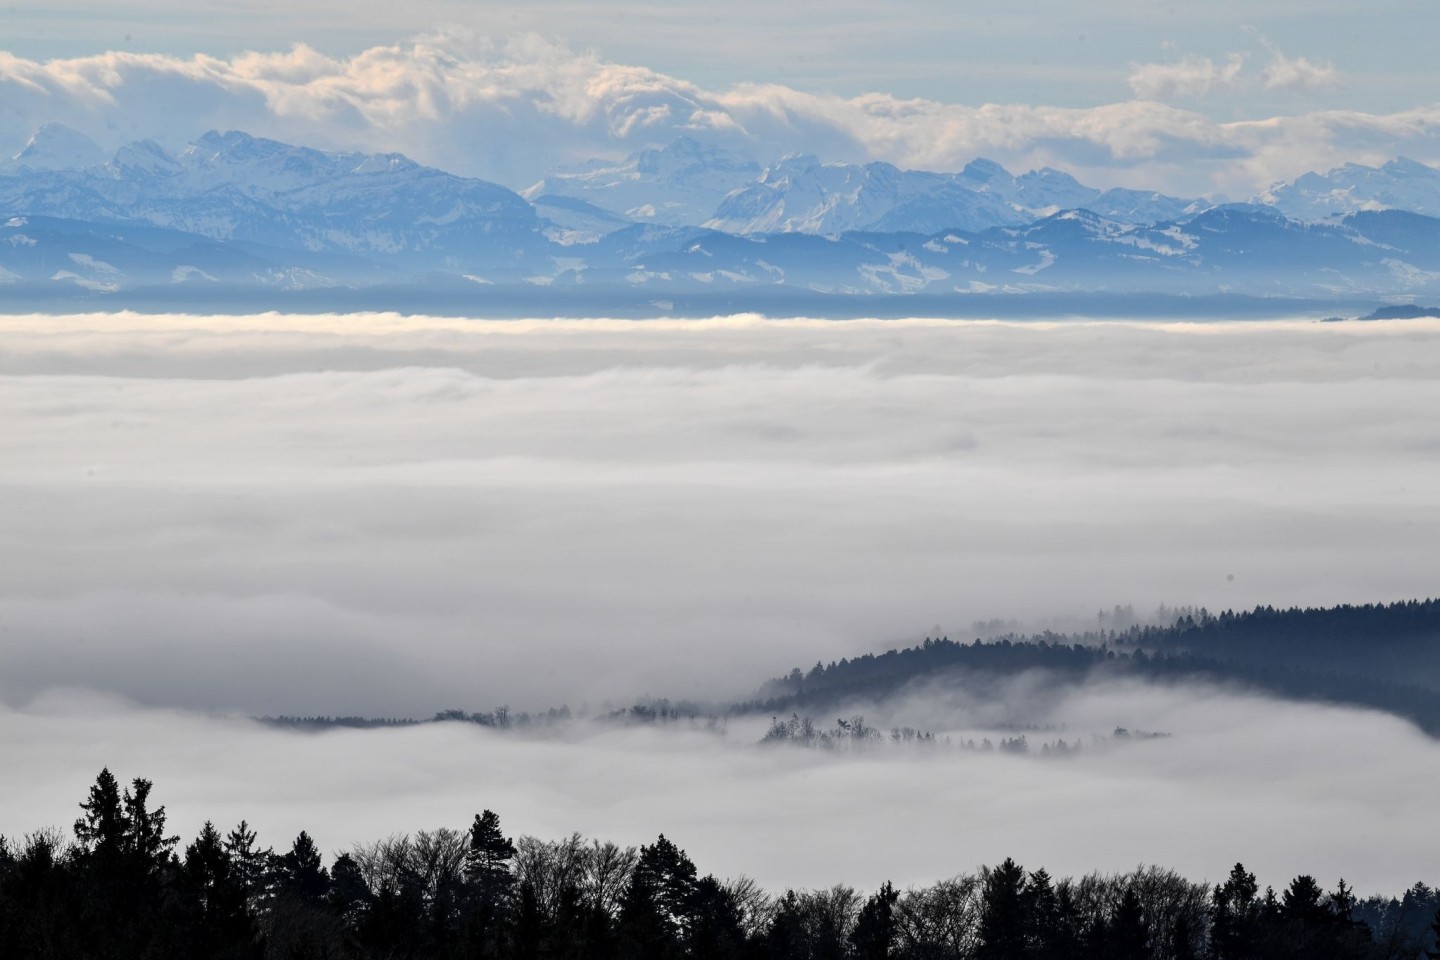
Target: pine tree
x,y
1234,914
145,829
125,860
490,887
101,831
300,872
715,931
487,862
250,864
1129,937
349,892
1003,919
874,930
656,911
786,938
223,924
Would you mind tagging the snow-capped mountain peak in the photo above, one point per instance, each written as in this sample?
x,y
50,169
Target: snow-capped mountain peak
x,y
681,183
1400,184
58,147
141,160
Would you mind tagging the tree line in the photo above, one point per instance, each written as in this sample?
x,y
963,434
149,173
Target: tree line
x,y
1374,655
118,887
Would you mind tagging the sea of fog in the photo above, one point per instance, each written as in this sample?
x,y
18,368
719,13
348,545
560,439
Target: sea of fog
x,y
211,517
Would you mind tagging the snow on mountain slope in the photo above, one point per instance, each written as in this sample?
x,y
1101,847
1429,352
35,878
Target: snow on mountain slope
x,y
799,194
233,186
57,147
1235,249
103,258
244,210
679,185
1401,184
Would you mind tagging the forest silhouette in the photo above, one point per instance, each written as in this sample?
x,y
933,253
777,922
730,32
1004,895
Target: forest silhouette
x,y
116,887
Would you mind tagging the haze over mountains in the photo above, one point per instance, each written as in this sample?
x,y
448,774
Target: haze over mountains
x,y
236,209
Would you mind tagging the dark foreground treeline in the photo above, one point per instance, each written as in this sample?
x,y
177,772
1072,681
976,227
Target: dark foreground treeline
x,y
122,889
1385,656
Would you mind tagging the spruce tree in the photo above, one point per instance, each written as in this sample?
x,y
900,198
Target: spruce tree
x,y
490,887
1129,937
301,873
216,897
874,930
101,831
1003,918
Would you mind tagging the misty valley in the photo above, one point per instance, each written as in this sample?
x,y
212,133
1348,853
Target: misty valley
x,y
119,883
795,617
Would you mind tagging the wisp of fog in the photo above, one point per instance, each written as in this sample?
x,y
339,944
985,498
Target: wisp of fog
x,y
1286,788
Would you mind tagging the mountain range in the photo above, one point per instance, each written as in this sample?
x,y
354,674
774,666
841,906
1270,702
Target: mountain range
x,y
239,210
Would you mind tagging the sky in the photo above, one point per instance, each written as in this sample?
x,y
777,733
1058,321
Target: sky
x,y
1219,98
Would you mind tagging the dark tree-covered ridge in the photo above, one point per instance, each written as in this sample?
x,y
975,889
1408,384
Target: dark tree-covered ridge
x,y
1385,656
1380,656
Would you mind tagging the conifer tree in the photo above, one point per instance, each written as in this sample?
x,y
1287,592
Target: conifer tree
x,y
250,864
217,897
101,831
786,938
145,829
874,930
1234,912
655,913
1129,938
301,873
490,886
1003,916
487,862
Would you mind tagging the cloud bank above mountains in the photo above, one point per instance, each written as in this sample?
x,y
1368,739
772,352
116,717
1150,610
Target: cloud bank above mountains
x,y
512,110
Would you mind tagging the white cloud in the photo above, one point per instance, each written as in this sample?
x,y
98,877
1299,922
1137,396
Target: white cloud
x,y
1192,77
1285,73
1196,77
512,110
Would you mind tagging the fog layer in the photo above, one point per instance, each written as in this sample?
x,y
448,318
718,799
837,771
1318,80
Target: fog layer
x,y
380,515
1285,788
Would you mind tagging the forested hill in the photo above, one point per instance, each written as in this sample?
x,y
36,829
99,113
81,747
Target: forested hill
x,y
1396,641
1381,656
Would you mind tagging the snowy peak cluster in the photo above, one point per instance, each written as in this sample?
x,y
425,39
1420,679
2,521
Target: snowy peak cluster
x,y
800,194
689,216
1401,184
